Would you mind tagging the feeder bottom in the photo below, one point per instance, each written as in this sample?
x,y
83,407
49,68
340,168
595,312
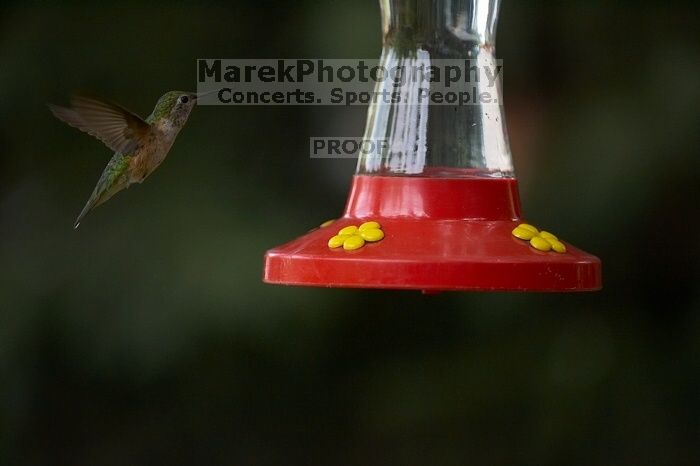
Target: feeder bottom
x,y
440,234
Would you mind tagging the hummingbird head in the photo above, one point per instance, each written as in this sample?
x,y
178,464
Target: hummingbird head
x,y
175,106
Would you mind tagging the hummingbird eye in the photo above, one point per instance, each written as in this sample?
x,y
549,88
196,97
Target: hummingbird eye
x,y
184,99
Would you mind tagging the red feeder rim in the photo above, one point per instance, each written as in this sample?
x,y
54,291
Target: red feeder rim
x,y
440,234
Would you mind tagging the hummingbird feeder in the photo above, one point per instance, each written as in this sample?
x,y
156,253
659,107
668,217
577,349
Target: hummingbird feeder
x,y
439,209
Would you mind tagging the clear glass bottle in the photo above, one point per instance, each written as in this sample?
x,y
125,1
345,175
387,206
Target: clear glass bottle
x,y
424,139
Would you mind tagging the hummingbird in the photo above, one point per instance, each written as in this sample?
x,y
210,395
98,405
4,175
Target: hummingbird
x,y
139,146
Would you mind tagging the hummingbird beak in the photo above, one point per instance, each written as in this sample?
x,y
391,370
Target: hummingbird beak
x,y
202,94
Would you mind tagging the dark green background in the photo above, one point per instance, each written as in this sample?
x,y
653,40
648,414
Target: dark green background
x,y
147,336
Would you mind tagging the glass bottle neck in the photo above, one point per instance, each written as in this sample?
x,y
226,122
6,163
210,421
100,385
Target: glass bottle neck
x,y
439,26
428,139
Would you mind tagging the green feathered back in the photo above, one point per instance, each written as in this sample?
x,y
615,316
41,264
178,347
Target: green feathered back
x,y
164,105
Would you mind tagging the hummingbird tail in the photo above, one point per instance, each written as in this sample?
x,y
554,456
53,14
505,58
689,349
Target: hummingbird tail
x,y
98,197
113,180
95,200
88,207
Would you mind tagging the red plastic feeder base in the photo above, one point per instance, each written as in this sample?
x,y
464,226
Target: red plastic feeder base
x,y
440,234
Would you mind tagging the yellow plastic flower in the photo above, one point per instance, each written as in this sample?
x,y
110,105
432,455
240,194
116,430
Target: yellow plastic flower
x,y
353,237
540,240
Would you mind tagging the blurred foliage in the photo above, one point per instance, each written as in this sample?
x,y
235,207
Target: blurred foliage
x,y
146,336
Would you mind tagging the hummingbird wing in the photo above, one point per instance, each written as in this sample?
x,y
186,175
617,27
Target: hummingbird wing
x,y
117,127
114,178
